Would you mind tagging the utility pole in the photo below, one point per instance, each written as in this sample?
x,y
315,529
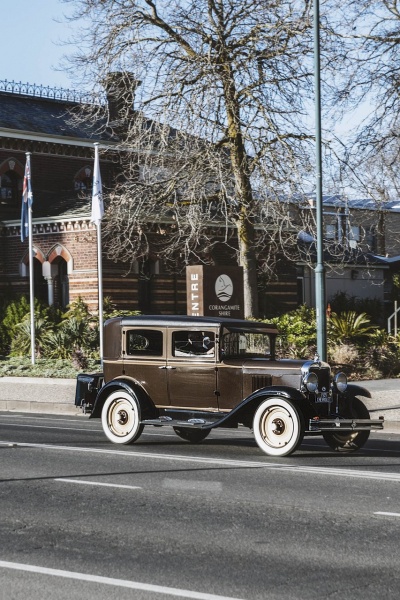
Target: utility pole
x,y
320,300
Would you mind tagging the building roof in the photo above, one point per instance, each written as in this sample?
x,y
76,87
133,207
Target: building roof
x,y
37,112
346,202
44,111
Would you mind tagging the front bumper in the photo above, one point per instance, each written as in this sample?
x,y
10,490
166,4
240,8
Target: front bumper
x,y
321,425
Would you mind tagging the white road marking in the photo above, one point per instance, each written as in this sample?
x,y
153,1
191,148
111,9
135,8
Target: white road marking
x,y
375,475
89,429
48,418
52,427
112,485
387,514
133,585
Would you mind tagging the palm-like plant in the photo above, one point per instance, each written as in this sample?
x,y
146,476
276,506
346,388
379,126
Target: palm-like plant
x,y
21,342
349,326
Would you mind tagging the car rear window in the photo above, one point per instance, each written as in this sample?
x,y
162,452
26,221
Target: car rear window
x,y
144,342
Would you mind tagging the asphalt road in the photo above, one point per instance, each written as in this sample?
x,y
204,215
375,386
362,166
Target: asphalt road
x,y
82,518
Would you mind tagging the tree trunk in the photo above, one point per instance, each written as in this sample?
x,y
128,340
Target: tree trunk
x,y
244,195
249,263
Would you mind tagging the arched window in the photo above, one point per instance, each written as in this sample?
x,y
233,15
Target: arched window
x,y
61,283
40,285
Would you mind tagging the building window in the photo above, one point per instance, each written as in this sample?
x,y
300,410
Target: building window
x,y
354,236
370,238
83,181
10,187
330,232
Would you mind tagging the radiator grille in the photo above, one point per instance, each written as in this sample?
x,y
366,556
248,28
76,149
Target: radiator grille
x,y
323,375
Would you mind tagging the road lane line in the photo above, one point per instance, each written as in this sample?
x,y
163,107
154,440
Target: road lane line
x,y
90,430
51,427
375,475
387,514
134,585
48,418
112,485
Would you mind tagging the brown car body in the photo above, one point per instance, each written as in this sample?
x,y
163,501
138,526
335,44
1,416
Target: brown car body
x,y
199,373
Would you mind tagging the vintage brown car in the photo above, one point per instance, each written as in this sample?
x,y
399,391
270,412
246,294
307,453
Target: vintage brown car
x,y
199,373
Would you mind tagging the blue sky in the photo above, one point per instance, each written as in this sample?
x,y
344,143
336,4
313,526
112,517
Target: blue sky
x,y
29,47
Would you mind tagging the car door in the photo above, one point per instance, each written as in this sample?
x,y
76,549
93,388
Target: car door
x,y
192,369
145,360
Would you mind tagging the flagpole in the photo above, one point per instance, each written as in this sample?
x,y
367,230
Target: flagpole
x,y
100,285
31,287
31,272
97,215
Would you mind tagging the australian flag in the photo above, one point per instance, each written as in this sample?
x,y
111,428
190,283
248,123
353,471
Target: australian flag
x,y
27,200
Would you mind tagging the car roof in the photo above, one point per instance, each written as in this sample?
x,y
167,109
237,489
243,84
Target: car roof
x,y
191,321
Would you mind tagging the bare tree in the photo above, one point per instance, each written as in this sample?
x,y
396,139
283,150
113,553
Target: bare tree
x,y
219,130
368,77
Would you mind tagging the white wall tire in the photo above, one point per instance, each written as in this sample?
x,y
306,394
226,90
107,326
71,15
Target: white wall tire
x,y
351,441
120,418
278,427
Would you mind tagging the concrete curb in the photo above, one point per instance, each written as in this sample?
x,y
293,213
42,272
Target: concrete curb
x,y
39,395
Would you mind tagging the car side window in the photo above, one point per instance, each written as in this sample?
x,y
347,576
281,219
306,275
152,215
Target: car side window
x,y
144,342
193,343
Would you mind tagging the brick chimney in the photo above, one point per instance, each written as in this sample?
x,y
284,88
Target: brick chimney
x,y
120,92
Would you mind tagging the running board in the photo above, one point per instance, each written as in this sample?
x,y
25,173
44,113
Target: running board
x,y
192,423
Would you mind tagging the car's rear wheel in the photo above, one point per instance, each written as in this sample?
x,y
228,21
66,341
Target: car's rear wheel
x,y
353,440
120,418
195,436
278,427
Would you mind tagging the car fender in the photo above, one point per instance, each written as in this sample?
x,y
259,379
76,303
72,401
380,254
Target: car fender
x,y
246,409
133,387
357,390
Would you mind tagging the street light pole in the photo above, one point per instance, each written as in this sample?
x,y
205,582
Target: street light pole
x,y
319,269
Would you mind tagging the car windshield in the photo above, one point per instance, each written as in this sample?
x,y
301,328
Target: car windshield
x,y
246,344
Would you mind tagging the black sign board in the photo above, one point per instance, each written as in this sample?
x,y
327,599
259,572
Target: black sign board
x,y
215,291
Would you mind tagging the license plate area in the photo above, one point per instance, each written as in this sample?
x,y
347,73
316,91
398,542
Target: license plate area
x,y
323,397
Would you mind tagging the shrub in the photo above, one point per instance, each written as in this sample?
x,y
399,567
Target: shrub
x,y
342,302
297,332
21,342
349,327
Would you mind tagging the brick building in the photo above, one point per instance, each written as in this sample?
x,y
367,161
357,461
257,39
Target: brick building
x,y
37,120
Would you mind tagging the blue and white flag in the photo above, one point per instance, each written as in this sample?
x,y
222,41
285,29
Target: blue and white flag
x,y
27,200
97,193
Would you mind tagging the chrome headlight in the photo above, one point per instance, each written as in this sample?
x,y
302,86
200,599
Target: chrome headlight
x,y
311,382
340,381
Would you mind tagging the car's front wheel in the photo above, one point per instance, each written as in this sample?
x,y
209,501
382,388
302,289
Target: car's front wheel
x,y
278,427
120,418
354,440
195,436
